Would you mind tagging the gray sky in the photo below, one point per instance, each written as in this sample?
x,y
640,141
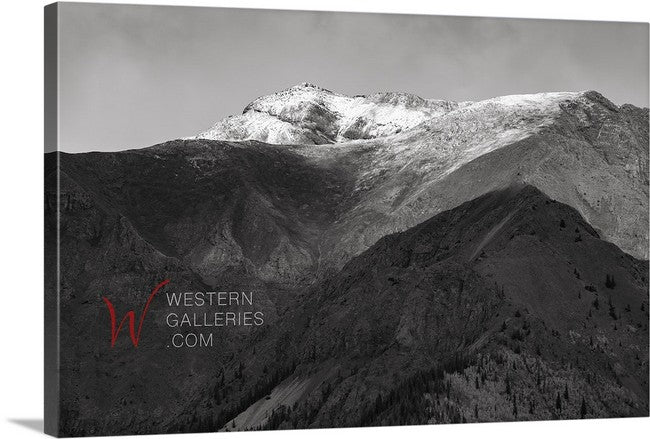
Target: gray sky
x,y
134,76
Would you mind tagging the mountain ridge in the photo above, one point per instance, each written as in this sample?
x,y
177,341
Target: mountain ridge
x,y
309,114
329,202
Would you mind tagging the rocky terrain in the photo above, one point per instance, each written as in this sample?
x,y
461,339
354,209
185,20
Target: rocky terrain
x,y
488,312
577,147
370,226
308,114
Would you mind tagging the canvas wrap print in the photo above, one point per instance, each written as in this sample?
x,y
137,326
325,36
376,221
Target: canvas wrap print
x,y
341,252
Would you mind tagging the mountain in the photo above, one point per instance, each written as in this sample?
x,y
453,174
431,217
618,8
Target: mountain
x,y
572,145
250,212
369,232
490,311
308,114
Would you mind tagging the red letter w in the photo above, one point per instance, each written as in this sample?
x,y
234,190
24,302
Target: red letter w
x,y
131,316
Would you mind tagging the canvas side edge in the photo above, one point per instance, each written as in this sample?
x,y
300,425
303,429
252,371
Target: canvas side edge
x,y
51,215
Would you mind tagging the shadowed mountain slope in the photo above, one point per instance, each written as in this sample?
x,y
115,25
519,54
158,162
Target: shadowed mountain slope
x,y
485,312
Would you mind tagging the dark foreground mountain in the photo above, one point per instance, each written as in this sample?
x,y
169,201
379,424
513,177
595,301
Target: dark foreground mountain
x,y
509,307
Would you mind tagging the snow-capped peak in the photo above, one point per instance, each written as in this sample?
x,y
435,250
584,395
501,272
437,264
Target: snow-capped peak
x,y
306,113
309,114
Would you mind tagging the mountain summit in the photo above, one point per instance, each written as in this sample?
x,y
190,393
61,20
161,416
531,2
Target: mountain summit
x,y
308,114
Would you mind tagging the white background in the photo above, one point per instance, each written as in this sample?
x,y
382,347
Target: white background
x,y
21,181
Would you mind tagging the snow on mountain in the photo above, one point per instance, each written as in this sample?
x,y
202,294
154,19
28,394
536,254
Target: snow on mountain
x,y
307,114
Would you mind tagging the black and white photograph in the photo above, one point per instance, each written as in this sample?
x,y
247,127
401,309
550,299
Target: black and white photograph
x,y
269,219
